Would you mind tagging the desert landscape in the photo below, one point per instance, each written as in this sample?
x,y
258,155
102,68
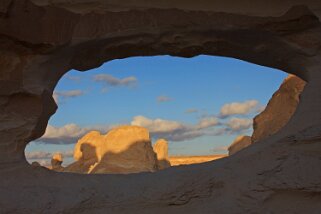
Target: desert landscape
x,y
135,166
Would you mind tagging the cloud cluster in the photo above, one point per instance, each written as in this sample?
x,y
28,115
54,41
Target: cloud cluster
x,y
239,108
158,128
169,129
173,130
68,134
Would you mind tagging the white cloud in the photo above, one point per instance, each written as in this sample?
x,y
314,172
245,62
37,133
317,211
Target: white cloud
x,y
71,93
239,108
68,134
67,94
173,130
207,122
34,155
38,155
239,124
162,99
109,80
157,125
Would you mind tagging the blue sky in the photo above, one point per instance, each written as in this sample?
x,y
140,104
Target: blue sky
x,y
180,92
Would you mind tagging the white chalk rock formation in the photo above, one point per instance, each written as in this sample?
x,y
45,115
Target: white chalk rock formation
x,y
125,149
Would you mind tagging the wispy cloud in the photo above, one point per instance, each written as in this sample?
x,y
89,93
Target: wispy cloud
x,y
239,124
111,81
57,95
163,98
239,108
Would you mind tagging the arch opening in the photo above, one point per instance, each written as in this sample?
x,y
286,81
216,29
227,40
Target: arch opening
x,y
152,92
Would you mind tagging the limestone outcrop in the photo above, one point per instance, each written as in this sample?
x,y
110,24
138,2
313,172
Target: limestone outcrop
x,y
161,150
43,40
239,143
123,150
279,110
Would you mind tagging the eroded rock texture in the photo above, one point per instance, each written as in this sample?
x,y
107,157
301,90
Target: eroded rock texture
x,y
42,40
123,150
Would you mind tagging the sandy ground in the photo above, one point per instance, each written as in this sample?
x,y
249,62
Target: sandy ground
x,y
186,160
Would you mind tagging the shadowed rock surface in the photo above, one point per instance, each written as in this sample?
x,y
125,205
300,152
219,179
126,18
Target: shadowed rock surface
x,y
41,42
161,150
125,149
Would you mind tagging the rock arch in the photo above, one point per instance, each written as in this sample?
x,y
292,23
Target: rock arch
x,y
41,41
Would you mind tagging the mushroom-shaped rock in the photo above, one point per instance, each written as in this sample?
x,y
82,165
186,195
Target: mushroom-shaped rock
x,y
239,143
56,162
125,149
161,150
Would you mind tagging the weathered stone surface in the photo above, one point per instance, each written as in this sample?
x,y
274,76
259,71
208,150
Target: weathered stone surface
x,y
239,143
279,110
41,42
123,150
161,150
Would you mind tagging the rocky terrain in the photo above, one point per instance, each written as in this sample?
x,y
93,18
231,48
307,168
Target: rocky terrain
x,y
43,40
123,150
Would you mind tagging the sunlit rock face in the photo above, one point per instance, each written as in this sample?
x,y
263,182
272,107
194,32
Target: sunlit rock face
x,y
279,110
239,143
161,150
42,40
123,150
